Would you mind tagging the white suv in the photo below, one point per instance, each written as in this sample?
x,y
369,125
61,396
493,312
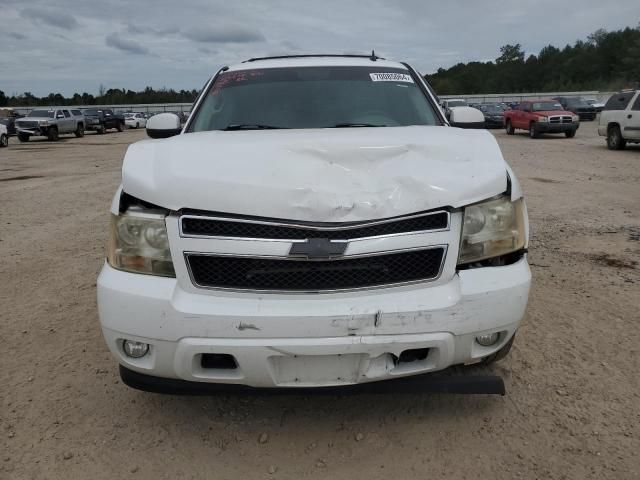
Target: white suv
x,y
620,119
4,136
317,222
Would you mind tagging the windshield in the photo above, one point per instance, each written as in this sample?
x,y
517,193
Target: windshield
x,y
494,109
313,97
41,113
577,103
456,103
545,106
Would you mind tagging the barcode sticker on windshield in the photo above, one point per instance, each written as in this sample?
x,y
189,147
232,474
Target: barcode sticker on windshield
x,y
391,77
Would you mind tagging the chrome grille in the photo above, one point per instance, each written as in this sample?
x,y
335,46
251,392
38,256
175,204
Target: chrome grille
x,y
274,229
27,124
560,119
281,274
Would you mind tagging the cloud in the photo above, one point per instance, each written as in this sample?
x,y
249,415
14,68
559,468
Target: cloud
x,y
17,35
53,18
208,51
129,46
144,29
226,34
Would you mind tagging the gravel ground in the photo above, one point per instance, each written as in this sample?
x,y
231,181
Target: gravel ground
x,y
573,404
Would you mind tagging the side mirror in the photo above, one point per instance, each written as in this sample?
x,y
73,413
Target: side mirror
x,y
163,125
466,117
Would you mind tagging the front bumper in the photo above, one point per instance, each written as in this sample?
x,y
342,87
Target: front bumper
x,y
310,340
590,115
556,127
32,131
493,122
92,124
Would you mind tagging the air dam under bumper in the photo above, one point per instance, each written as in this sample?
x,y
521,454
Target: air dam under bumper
x,y
310,340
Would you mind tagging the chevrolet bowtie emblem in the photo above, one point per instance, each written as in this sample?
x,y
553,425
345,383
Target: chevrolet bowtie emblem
x,y
318,248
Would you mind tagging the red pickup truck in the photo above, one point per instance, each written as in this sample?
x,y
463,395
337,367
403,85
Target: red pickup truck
x,y
541,116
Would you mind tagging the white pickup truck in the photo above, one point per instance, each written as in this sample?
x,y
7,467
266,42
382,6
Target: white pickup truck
x,y
317,222
620,119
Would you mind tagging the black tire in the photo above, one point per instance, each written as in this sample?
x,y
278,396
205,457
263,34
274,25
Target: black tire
x,y
23,137
509,128
137,125
533,132
79,133
120,127
4,140
500,354
52,134
614,138
570,133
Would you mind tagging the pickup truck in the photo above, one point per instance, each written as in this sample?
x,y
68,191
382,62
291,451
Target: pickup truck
x,y
8,118
50,123
102,119
450,103
317,222
541,116
620,119
577,105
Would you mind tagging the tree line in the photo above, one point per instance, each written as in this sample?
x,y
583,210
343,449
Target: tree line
x,y
606,61
112,96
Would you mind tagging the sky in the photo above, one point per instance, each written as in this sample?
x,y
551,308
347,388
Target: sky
x,y
68,46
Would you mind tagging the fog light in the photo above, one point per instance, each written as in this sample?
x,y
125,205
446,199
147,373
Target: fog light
x,y
488,339
135,349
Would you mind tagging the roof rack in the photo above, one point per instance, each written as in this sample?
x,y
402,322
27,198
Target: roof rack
x,y
373,57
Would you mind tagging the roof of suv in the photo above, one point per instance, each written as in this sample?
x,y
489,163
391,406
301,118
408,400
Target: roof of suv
x,y
316,61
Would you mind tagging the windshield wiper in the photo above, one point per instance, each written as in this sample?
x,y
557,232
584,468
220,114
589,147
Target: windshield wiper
x,y
250,126
349,125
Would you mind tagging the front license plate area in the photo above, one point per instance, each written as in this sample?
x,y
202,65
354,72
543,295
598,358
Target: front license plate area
x,y
316,370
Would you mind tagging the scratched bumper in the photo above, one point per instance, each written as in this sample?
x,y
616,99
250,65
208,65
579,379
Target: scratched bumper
x,y
310,340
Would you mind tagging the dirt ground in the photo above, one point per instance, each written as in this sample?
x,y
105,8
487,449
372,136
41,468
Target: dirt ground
x,y
572,408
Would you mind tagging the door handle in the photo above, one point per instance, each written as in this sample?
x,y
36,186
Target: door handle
x,y
629,116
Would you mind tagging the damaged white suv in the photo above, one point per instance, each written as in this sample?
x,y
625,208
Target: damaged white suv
x,y
317,222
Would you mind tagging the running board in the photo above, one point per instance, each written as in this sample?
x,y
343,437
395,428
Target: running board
x,y
441,382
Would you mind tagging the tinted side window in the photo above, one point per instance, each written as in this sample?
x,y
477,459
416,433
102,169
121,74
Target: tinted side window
x,y
619,101
76,112
636,104
523,106
66,113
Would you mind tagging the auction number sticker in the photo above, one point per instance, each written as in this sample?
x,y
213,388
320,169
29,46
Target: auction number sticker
x,y
391,77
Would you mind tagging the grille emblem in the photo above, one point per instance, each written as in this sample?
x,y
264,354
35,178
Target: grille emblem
x,y
318,248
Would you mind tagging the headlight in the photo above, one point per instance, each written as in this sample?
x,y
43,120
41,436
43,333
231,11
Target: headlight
x,y
138,243
492,228
543,119
575,118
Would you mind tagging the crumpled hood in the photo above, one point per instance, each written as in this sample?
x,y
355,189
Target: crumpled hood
x,y
322,175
